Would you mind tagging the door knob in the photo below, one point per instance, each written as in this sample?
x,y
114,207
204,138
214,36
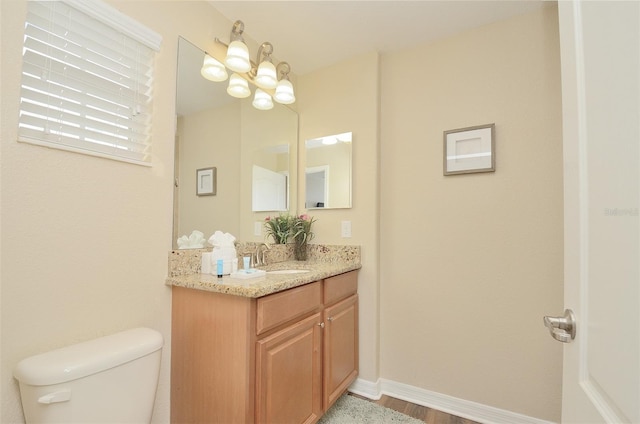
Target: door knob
x,y
562,328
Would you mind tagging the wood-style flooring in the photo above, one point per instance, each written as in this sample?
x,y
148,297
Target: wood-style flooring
x,y
422,413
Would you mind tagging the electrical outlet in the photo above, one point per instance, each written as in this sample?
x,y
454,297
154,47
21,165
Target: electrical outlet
x,y
257,228
346,229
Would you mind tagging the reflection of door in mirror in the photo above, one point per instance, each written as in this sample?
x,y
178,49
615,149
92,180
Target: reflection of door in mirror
x,y
270,179
317,195
328,172
269,190
268,138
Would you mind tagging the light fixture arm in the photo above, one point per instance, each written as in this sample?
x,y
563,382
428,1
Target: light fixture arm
x,y
265,49
236,31
283,68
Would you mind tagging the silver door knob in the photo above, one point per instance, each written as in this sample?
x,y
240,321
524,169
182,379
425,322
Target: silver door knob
x,y
562,328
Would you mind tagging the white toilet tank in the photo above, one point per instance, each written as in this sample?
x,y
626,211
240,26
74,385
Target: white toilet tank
x,y
112,379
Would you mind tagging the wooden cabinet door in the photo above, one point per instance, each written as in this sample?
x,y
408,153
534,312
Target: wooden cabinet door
x,y
289,374
340,348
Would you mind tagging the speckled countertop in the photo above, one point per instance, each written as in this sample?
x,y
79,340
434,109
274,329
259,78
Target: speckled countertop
x,y
324,262
271,283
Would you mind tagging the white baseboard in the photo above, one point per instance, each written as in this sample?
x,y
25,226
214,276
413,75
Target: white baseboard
x,y
462,408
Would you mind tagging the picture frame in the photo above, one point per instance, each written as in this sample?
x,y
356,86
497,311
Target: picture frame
x,y
206,181
469,150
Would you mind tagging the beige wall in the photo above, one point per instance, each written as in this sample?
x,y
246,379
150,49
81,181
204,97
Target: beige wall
x,y
210,138
85,240
469,264
331,105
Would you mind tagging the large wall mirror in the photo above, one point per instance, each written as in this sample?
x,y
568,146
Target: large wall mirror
x,y
328,171
217,130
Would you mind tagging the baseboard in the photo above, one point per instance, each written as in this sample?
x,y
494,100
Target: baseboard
x,y
462,408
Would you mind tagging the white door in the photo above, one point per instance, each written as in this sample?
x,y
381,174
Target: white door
x,y
600,45
268,190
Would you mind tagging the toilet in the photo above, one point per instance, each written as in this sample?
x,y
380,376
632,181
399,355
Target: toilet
x,y
111,379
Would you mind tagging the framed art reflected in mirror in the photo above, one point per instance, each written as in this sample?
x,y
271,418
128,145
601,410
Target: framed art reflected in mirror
x,y
206,182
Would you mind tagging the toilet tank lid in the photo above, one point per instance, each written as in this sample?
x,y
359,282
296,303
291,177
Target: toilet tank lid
x,y
87,358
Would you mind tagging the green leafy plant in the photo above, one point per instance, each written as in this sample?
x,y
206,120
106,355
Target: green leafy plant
x,y
279,227
301,229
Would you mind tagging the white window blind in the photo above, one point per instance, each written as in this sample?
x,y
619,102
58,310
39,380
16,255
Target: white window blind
x,y
87,80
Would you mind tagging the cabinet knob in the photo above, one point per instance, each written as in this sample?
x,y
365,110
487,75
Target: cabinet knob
x,y
330,319
321,324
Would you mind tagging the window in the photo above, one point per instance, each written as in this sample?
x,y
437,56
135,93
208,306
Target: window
x,y
87,77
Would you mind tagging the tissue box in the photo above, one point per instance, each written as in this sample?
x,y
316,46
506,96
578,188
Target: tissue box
x,y
227,254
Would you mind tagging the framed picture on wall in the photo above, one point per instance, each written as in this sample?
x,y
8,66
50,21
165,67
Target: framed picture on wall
x,y
468,150
206,182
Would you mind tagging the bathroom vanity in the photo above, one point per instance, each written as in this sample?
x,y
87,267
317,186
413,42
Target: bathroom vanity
x,y
279,349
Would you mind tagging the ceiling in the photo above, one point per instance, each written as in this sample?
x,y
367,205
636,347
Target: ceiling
x,y
314,34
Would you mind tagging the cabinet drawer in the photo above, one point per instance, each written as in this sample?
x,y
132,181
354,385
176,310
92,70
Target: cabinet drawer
x,y
340,286
277,309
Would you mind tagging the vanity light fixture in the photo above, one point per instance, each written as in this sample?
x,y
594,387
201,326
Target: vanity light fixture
x,y
262,100
238,87
266,73
237,53
338,138
273,81
328,141
213,70
284,89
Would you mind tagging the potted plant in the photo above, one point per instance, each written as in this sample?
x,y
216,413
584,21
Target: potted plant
x,y
279,227
302,234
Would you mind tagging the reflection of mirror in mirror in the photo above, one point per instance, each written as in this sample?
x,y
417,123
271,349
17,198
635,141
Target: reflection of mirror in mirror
x,y
270,182
217,130
328,172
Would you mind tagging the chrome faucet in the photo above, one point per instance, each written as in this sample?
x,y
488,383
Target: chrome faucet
x,y
258,255
261,251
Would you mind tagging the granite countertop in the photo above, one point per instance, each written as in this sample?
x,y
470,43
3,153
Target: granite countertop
x,y
271,283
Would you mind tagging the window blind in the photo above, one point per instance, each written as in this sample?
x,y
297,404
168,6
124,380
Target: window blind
x,y
86,83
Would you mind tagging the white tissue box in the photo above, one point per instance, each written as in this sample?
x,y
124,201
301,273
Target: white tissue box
x,y
227,254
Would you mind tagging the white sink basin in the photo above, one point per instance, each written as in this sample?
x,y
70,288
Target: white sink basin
x,y
288,271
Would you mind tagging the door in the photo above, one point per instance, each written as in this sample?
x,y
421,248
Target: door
x,y
289,374
268,190
340,348
600,51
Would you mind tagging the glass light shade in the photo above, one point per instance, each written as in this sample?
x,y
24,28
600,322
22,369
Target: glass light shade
x,y
238,57
238,87
213,70
262,100
284,92
328,141
266,76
